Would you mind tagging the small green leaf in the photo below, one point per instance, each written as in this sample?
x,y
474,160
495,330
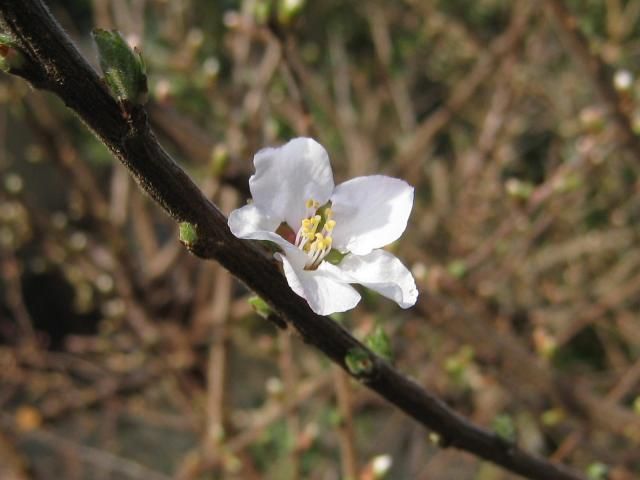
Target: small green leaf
x,y
123,68
552,417
457,365
334,417
262,12
261,307
358,362
519,189
597,471
569,183
379,342
503,426
289,9
457,268
219,160
188,233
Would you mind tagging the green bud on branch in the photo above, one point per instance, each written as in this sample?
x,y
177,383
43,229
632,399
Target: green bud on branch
x,y
288,10
457,268
10,56
188,233
379,342
123,68
597,471
219,160
259,306
503,425
359,362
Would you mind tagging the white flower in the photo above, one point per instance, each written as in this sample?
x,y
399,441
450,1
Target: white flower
x,y
296,205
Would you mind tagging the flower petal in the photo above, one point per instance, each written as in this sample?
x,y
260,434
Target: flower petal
x,y
384,273
288,176
370,212
250,223
244,221
323,289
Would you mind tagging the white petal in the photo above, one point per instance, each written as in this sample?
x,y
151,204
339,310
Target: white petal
x,y
288,176
250,223
323,288
246,220
370,212
384,273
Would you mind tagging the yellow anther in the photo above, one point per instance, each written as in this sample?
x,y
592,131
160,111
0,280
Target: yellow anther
x,y
314,244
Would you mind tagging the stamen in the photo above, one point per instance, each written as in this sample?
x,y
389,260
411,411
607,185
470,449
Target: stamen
x,y
314,259
329,225
316,245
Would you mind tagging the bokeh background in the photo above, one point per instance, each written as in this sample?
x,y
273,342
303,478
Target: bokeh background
x,y
123,357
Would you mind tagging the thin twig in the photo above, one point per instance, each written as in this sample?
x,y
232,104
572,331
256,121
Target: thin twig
x,y
289,371
346,431
408,158
218,366
596,73
96,457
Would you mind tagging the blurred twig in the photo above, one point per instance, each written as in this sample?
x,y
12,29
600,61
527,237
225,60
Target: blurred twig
x,y
408,157
596,71
98,458
346,431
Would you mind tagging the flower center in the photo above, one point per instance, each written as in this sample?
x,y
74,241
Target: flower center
x,y
314,234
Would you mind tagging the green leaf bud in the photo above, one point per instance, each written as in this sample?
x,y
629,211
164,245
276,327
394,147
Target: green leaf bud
x,y
10,55
261,307
379,342
123,68
358,362
188,233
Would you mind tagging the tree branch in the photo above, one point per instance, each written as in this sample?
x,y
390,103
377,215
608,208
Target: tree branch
x,y
54,64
